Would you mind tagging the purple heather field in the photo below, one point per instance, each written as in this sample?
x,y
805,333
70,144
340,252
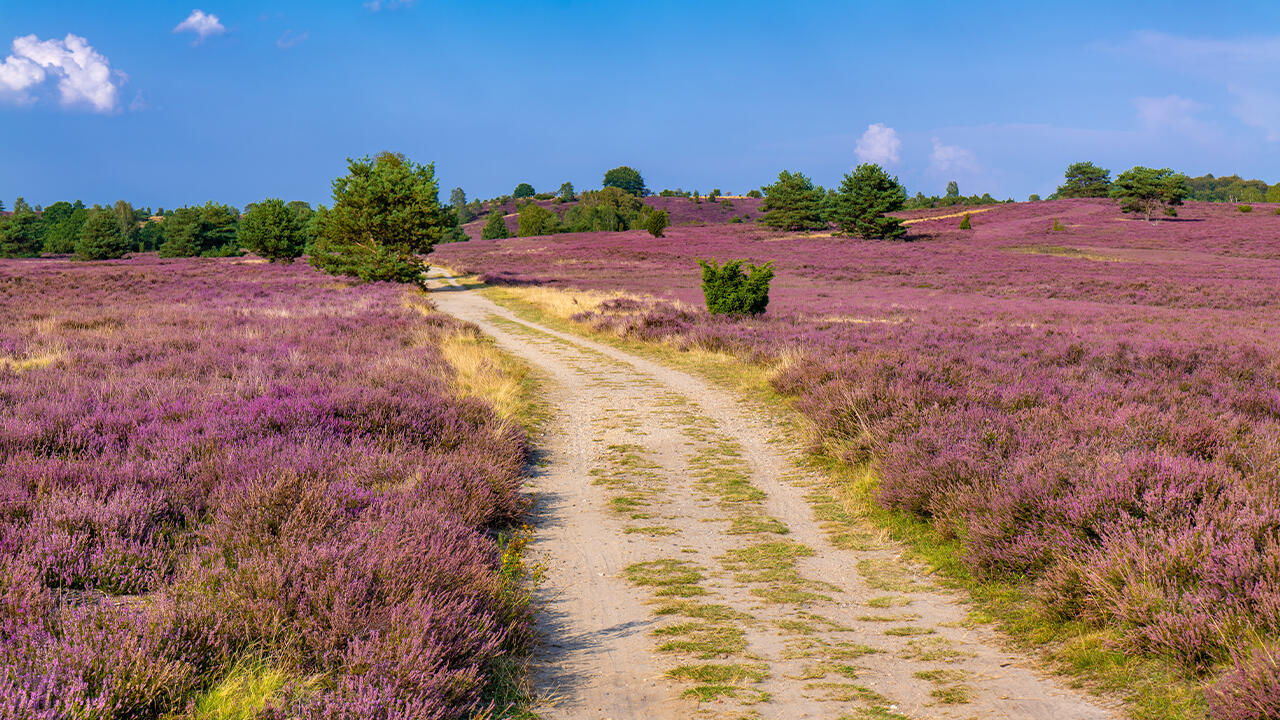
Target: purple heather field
x,y
221,468
1092,413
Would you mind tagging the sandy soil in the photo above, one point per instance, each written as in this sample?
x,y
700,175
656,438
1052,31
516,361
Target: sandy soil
x,y
688,573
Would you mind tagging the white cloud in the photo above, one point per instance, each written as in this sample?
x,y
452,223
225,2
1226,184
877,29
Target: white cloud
x,y
290,39
879,144
1247,68
202,24
1172,114
376,5
84,75
952,159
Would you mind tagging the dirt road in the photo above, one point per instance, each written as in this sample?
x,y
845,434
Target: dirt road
x,y
687,575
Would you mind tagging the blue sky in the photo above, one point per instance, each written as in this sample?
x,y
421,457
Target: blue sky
x,y
163,106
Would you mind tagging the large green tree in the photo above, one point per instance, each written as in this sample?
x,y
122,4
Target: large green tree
x,y
495,228
523,190
1085,180
793,203
1145,190
101,237
62,222
386,214
127,217
611,209
627,179
536,220
865,196
209,230
21,233
566,192
271,230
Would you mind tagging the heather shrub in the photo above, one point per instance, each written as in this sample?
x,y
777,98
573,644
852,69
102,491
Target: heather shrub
x,y
729,290
1250,690
179,509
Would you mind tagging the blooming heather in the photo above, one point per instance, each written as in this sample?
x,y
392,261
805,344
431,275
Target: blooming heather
x,y
1093,412
212,464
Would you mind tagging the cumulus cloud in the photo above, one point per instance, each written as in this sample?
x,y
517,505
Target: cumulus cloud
x,y
1247,68
951,159
202,24
84,75
879,144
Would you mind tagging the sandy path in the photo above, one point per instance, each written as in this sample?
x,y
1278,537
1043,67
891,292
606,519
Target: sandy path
x,y
687,575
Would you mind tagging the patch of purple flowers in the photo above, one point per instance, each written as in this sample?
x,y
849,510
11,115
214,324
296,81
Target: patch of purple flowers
x,y
222,459
1094,412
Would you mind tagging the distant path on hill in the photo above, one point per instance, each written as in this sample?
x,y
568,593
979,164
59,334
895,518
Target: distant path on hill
x,y
688,577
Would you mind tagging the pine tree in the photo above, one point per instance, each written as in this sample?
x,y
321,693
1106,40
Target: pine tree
x,y
101,238
965,223
793,203
272,231
866,196
386,214
21,233
1085,180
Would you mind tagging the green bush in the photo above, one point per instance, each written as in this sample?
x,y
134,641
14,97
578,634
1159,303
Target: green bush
x,y
611,209
755,194
536,220
730,291
656,222
1057,226
965,223
1245,208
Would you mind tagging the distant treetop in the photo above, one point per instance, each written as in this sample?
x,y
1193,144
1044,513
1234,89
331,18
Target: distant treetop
x,y
523,190
1085,180
627,179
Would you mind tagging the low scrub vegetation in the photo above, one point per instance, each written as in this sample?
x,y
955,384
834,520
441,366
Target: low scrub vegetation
x,y
1108,443
246,492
